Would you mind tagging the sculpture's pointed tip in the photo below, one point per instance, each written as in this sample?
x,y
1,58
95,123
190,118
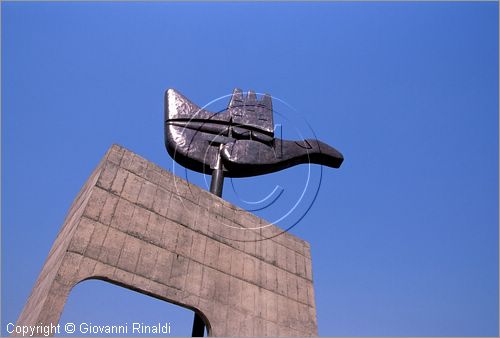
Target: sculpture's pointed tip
x,y
178,106
169,92
173,95
329,156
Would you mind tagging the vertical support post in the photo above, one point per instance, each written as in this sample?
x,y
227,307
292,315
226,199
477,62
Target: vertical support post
x,y
216,185
198,326
217,176
217,182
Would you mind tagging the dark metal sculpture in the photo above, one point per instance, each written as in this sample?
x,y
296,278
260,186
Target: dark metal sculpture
x,y
237,142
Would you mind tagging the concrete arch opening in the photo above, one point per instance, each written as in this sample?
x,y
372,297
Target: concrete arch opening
x,y
98,306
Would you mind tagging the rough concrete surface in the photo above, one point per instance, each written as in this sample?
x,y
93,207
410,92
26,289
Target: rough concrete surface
x,y
136,225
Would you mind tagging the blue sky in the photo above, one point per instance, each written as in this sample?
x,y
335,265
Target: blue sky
x,y
404,235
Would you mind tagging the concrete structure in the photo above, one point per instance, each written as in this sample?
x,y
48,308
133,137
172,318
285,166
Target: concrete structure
x,y
137,225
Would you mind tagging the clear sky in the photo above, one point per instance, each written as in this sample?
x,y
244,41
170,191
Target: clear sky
x,y
404,235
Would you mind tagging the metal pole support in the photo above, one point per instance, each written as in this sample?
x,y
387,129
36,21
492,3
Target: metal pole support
x,y
217,176
198,326
216,185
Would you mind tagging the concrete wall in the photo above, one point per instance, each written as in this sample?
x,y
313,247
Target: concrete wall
x,y
137,225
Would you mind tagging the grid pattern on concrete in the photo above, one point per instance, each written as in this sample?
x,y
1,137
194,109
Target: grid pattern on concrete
x,y
137,225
